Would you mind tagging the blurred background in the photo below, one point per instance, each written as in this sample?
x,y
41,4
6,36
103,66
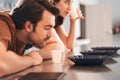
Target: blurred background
x,y
101,26
7,4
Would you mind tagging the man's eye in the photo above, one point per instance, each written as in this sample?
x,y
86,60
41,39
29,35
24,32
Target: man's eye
x,y
47,28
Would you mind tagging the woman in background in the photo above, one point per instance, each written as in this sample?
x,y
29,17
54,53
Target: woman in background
x,y
65,8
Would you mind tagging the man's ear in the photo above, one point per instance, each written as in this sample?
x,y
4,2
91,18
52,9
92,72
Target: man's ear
x,y
28,26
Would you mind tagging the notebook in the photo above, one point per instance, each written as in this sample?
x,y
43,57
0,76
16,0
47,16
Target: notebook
x,y
106,48
98,52
43,76
87,60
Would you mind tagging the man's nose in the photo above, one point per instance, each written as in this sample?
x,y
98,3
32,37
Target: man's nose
x,y
49,33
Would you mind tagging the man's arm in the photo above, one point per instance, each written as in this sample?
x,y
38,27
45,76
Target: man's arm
x,y
10,62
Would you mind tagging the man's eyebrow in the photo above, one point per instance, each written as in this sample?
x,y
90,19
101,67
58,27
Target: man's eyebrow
x,y
70,0
48,26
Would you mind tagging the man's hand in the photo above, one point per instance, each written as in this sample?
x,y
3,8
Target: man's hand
x,y
48,41
36,57
51,40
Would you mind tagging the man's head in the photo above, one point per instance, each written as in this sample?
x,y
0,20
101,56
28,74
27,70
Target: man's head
x,y
31,10
37,17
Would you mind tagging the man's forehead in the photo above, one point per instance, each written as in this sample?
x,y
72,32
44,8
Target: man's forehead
x,y
48,18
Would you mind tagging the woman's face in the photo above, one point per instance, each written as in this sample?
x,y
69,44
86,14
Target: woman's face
x,y
64,7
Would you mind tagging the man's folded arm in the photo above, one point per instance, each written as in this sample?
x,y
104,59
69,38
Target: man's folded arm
x,y
10,62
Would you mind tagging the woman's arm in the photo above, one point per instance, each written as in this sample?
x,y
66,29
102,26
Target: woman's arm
x,y
69,39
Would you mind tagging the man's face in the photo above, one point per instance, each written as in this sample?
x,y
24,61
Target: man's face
x,y
43,28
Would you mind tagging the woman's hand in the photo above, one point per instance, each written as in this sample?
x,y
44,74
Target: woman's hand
x,y
76,14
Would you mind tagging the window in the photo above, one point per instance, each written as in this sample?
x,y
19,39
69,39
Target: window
x,y
6,5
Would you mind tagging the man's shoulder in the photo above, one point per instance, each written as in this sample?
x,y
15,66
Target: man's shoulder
x,y
4,14
6,17
5,31
5,23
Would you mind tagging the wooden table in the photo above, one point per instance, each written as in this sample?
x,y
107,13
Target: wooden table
x,y
109,71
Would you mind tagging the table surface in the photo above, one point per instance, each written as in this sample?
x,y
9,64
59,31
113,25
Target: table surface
x,y
109,71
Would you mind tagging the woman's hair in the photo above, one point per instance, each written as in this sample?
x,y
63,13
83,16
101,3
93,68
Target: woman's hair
x,y
31,10
59,19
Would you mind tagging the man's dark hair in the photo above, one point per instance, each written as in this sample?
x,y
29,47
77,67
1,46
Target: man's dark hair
x,y
56,1
31,10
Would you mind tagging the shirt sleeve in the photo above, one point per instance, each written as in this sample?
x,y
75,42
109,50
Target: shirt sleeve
x,y
5,34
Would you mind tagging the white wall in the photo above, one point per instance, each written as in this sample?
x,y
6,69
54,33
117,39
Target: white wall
x,y
89,1
115,4
115,17
115,10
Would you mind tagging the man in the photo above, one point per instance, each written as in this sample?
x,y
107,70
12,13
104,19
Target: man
x,y
28,23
